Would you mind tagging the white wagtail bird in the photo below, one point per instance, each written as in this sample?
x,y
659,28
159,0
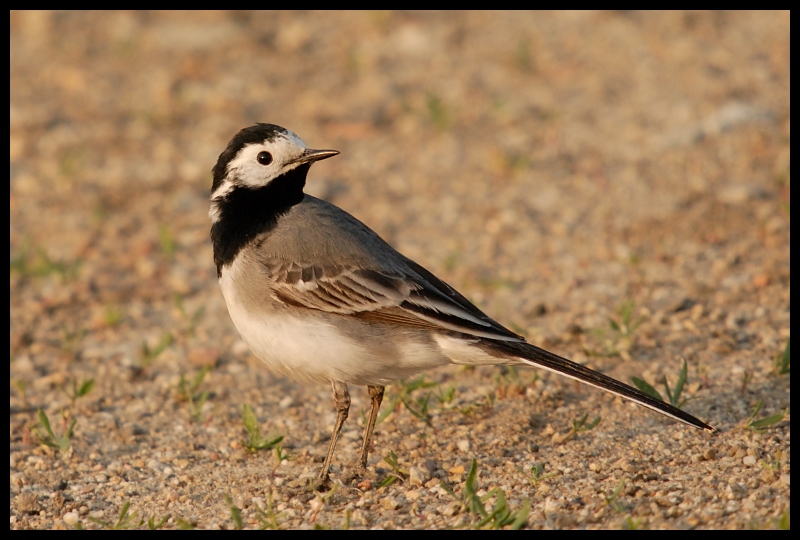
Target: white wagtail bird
x,y
320,297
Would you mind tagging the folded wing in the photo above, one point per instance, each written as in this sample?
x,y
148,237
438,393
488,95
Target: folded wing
x,y
415,298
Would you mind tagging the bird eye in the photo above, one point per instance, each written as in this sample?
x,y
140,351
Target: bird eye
x,y
265,158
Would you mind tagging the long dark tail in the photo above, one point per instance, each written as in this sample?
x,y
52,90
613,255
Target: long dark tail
x,y
546,360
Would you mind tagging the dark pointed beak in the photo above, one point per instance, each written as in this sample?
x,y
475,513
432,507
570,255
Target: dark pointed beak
x,y
309,156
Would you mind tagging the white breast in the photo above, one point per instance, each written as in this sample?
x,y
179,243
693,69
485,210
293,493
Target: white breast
x,y
308,347
299,347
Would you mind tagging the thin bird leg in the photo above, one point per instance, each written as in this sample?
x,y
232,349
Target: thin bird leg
x,y
341,400
376,394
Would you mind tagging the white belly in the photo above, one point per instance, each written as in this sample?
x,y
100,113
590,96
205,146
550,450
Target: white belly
x,y
310,348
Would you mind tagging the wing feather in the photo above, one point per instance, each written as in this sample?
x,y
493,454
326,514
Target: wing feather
x,y
413,297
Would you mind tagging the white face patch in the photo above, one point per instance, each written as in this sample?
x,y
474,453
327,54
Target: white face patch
x,y
222,190
245,167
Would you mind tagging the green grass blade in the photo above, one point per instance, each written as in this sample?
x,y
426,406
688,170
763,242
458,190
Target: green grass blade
x,y
645,387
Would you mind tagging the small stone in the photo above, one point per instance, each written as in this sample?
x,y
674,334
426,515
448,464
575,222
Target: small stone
x,y
736,491
71,518
365,485
710,453
749,460
767,476
413,495
240,348
417,476
739,193
390,503
428,465
458,469
18,479
551,506
286,402
463,445
27,503
450,509
58,499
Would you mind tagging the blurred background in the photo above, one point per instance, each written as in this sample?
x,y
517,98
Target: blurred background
x,y
559,168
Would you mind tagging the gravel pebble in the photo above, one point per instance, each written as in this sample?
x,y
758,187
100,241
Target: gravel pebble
x,y
27,503
71,518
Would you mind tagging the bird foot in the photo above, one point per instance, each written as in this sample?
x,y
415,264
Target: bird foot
x,y
356,475
321,483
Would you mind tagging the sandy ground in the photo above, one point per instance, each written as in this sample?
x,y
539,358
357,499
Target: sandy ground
x,y
560,169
